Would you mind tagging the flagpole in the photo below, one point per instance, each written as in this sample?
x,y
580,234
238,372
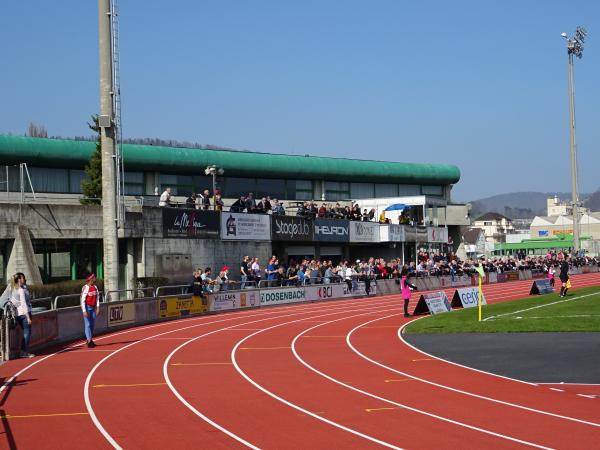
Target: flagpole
x,y
480,296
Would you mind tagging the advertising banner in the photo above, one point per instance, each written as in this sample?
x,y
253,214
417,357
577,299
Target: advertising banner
x,y
392,232
332,230
247,227
437,234
467,298
416,234
512,276
288,228
359,289
190,223
541,287
278,296
364,232
324,292
180,306
121,314
434,303
225,301
44,329
456,281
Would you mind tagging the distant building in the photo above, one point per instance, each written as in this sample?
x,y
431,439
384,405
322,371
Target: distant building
x,y
474,243
557,208
495,227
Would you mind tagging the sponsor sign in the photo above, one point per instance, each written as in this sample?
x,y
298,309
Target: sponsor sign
x,y
287,228
501,278
359,289
44,329
247,227
541,287
324,292
448,281
566,231
181,306
120,314
364,232
542,233
434,303
537,274
391,233
224,301
190,223
437,234
416,234
280,296
332,230
512,276
467,298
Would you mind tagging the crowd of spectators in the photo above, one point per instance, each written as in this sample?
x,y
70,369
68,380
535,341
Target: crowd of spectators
x,y
307,271
267,205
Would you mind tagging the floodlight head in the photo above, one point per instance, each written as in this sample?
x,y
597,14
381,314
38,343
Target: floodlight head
x,y
207,171
580,34
563,34
220,171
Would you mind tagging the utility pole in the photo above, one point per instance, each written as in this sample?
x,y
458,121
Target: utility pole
x,y
574,48
110,240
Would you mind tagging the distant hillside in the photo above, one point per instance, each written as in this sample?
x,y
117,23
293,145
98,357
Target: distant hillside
x,y
593,201
519,205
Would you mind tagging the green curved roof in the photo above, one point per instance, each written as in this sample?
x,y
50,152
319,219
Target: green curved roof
x,y
75,154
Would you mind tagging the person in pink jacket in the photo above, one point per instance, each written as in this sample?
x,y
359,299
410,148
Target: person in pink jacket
x,y
406,288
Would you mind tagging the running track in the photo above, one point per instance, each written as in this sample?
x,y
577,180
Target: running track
x,y
312,376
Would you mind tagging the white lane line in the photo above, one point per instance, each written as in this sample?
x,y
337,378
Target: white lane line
x,y
574,384
557,390
586,395
391,402
540,306
196,411
400,336
293,405
94,418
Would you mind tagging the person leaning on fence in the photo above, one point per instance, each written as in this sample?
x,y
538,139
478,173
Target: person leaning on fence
x,y
21,300
90,307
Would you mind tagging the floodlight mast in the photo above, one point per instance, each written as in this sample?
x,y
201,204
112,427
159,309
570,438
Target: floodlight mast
x,y
574,48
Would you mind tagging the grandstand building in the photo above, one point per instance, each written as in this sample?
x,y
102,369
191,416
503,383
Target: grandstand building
x,y
61,239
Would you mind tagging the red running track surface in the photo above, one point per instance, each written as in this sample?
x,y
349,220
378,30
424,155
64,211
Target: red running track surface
x,y
321,375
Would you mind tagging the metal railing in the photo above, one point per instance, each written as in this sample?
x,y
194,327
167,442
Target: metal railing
x,y
62,298
138,293
177,289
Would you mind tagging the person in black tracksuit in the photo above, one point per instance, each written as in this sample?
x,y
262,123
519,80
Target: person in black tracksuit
x,y
564,277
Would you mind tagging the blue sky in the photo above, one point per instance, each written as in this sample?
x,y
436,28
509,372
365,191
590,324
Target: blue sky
x,y
480,84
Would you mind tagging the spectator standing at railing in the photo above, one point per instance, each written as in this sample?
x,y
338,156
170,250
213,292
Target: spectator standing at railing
x,y
270,271
90,306
244,271
205,196
207,281
218,202
239,205
20,298
292,274
165,198
255,269
278,209
250,203
190,202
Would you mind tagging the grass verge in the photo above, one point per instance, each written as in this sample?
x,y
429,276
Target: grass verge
x,y
579,311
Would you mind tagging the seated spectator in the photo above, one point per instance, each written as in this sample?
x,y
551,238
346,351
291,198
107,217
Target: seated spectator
x,y
267,204
261,208
382,217
239,205
165,198
322,211
365,215
207,281
218,202
372,215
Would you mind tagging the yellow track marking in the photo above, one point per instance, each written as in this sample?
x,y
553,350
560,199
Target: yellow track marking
x,y
398,380
128,385
8,416
423,359
323,336
379,409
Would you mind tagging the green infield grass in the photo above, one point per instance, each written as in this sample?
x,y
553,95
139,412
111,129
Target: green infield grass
x,y
578,311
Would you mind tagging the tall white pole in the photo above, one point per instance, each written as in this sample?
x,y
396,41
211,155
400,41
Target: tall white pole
x,y
573,153
107,140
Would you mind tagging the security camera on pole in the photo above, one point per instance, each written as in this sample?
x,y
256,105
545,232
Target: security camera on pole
x,y
574,47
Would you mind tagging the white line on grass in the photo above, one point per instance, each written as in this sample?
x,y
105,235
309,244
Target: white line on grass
x,y
540,306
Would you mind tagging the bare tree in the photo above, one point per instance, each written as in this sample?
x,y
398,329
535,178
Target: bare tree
x,y
37,131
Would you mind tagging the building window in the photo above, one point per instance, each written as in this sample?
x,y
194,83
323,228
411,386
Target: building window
x,y
49,180
236,187
179,184
134,183
408,190
386,190
337,190
272,188
433,190
75,179
299,190
487,224
362,190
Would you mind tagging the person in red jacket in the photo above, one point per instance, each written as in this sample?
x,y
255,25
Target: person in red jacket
x,y
90,305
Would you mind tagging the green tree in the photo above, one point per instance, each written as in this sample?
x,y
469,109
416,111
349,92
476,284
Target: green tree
x,y
92,185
